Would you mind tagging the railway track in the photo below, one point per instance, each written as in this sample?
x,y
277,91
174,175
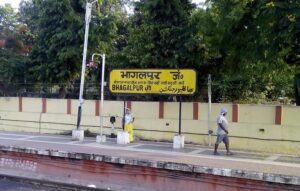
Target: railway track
x,y
12,183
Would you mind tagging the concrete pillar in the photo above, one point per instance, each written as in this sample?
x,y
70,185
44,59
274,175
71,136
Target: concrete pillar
x,y
100,139
69,106
195,111
97,108
44,105
122,137
235,113
129,105
178,142
20,104
161,110
278,115
77,135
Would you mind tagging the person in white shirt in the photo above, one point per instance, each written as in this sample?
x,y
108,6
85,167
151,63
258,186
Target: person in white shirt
x,y
222,132
129,123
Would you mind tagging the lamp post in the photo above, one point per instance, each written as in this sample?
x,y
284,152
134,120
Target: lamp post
x,y
78,134
100,138
209,110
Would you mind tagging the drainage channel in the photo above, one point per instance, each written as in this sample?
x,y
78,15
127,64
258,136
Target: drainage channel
x,y
13,183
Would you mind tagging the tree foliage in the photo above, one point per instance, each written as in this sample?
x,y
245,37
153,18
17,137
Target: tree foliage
x,y
162,35
245,52
14,47
59,31
250,47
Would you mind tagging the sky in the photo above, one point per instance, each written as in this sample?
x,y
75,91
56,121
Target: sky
x,y
15,3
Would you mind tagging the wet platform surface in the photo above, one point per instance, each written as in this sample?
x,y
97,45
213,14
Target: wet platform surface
x,y
191,155
196,150
148,146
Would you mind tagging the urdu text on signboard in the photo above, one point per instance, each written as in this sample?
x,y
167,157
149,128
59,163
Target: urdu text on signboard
x,y
153,81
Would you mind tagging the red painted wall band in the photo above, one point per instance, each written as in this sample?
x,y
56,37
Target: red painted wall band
x,y
235,113
195,111
44,105
161,110
97,108
278,115
128,104
20,104
69,106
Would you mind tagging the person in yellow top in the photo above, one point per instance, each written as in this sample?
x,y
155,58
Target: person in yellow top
x,y
129,119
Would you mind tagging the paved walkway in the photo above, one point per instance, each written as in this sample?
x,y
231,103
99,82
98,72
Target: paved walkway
x,y
160,151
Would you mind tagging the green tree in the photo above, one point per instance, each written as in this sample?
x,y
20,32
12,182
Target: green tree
x,y
58,30
13,51
162,35
241,53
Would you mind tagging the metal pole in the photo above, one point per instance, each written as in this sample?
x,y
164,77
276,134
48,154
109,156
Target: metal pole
x,y
102,95
86,36
209,110
180,104
123,120
102,91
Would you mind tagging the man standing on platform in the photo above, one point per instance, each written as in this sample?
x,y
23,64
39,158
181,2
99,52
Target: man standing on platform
x,y
129,123
222,132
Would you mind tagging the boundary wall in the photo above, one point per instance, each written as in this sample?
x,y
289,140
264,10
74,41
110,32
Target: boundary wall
x,y
252,127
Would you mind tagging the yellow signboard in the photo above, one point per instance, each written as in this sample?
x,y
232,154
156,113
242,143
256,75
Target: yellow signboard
x,y
153,81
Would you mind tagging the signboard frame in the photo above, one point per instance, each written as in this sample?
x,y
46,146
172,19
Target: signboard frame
x,y
167,94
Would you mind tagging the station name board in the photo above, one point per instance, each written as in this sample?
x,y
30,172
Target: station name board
x,y
153,81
